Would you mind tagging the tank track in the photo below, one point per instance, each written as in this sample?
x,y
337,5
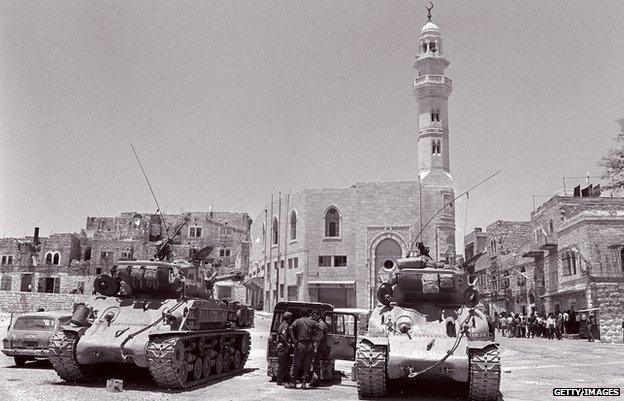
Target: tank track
x,y
62,354
164,362
485,374
370,373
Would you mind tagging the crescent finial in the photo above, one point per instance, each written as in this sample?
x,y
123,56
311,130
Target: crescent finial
x,y
429,11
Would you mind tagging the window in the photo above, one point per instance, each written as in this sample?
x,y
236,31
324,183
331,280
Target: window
x,y
435,116
324,261
7,260
295,263
225,252
126,255
26,284
568,260
436,147
230,231
275,231
6,283
293,293
424,47
106,256
290,263
195,232
332,223
49,284
493,246
433,47
56,259
98,270
340,261
551,226
281,291
282,264
293,225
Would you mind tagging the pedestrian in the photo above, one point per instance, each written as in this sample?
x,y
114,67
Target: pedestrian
x,y
517,325
320,345
590,325
550,324
510,325
302,333
566,322
523,325
284,347
532,328
559,326
503,324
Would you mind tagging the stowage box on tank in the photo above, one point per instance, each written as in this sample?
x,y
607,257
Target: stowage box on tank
x,y
156,315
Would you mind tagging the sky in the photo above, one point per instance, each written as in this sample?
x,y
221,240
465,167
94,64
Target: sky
x,y
228,102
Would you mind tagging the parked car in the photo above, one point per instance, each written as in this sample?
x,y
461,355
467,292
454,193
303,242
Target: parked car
x,y
28,335
342,329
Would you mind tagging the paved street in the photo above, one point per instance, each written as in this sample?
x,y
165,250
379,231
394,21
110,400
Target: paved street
x,y
532,367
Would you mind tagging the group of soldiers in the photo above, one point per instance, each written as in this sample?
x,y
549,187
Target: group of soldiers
x,y
305,338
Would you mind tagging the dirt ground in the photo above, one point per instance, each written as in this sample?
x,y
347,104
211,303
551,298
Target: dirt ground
x,y
531,368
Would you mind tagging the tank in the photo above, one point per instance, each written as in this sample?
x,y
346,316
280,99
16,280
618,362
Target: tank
x,y
157,315
427,325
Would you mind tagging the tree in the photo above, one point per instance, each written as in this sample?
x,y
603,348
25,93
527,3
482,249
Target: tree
x,y
613,163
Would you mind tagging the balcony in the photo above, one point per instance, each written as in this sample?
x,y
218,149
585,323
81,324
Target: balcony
x,y
432,80
547,242
533,253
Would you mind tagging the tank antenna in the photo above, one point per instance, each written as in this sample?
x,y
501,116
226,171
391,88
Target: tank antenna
x,y
150,188
450,203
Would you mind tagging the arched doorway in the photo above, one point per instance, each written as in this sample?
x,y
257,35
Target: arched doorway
x,y
386,249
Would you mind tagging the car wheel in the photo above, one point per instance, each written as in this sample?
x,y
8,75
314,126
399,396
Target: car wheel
x,y
20,360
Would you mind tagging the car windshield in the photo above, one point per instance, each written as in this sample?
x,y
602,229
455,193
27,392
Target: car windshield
x,y
34,323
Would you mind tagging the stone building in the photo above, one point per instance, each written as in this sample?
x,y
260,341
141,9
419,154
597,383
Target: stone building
x,y
329,245
569,256
33,266
578,250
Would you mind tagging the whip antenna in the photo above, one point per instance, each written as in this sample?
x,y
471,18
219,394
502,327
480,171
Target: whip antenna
x,y
450,203
150,188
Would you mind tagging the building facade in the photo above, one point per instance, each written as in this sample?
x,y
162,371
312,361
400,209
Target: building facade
x,y
329,245
569,256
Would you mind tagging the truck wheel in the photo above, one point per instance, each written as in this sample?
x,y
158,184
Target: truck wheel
x,y
20,360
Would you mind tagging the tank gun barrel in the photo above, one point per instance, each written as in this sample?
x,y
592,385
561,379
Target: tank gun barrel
x,y
232,276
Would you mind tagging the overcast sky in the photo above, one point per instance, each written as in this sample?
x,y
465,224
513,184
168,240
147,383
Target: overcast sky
x,y
228,102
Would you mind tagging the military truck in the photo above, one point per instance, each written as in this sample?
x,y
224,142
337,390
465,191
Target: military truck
x,y
342,328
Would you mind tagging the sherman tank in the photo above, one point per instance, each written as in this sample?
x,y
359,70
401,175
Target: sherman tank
x,y
158,315
427,325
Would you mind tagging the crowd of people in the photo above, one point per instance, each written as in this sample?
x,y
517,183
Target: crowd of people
x,y
550,326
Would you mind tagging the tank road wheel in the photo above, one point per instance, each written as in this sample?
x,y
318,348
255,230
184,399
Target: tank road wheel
x,y
206,366
370,365
198,369
484,374
227,360
167,362
219,363
62,353
236,361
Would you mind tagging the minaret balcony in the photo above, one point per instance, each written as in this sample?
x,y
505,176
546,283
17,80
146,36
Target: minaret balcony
x,y
433,80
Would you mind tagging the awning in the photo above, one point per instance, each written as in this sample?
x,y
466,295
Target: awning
x,y
588,310
564,292
254,281
226,283
335,283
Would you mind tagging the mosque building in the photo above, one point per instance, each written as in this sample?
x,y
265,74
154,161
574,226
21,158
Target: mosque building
x,y
329,245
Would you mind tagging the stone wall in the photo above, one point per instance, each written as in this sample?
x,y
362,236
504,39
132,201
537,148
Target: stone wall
x,y
21,302
609,297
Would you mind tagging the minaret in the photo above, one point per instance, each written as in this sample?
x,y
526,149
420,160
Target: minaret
x,y
432,89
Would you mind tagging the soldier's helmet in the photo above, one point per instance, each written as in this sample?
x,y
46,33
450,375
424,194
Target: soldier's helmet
x,y
287,316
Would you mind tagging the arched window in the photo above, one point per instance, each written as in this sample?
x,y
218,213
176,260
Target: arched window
x,y
275,232
436,147
56,259
435,116
424,47
433,47
332,222
48,258
293,225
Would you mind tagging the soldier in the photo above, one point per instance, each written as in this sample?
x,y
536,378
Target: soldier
x,y
319,346
284,346
302,333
